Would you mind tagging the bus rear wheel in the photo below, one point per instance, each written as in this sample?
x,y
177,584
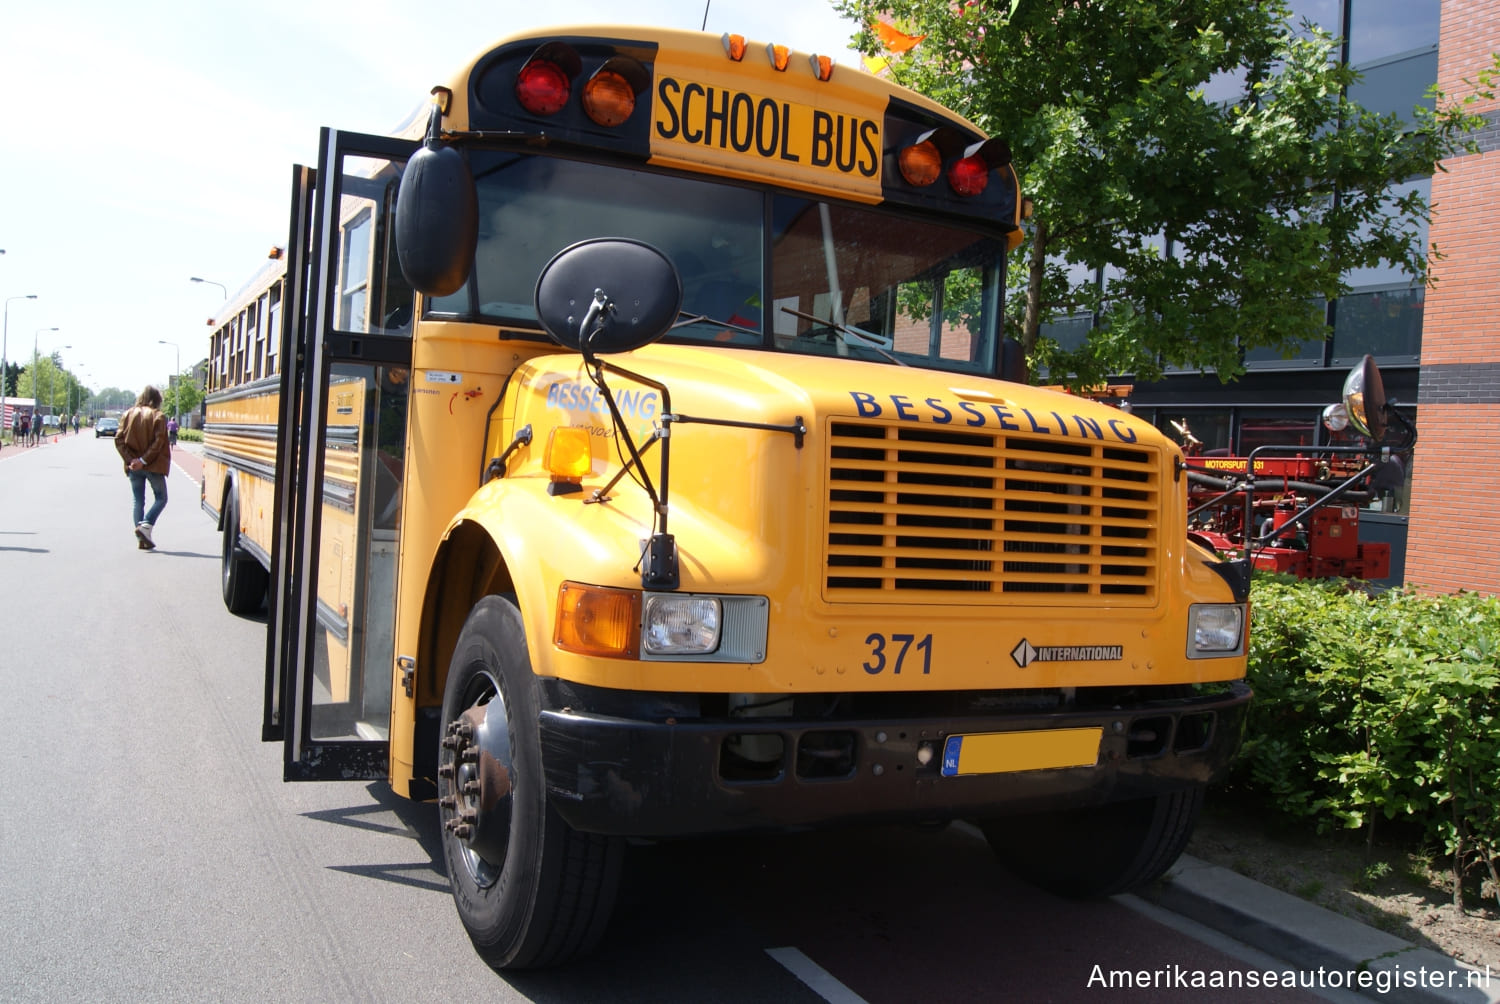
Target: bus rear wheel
x,y
1099,850
531,890
241,577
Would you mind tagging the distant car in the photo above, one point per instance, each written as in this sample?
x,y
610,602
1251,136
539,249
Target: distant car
x,y
106,427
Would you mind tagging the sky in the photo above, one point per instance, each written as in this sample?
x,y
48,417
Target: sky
x,y
145,143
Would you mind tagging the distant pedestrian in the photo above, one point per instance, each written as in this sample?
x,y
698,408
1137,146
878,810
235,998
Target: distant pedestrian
x,y
25,430
75,423
172,431
142,444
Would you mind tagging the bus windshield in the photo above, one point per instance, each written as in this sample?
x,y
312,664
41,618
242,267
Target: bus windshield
x,y
759,269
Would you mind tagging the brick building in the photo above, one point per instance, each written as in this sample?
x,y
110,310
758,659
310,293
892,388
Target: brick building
x,y
1455,494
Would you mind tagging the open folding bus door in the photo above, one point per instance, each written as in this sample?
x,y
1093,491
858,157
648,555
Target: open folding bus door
x,y
346,351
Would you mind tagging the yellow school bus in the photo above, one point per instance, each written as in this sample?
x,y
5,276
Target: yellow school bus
x,y
649,462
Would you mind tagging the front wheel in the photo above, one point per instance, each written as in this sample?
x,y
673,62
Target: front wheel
x,y
531,890
1099,850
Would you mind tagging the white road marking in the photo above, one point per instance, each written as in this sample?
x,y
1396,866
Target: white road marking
x,y
818,979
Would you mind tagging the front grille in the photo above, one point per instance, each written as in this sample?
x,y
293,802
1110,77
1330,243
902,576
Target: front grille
x,y
929,515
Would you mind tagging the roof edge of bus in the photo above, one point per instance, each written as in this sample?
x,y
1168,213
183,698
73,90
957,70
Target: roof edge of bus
x,y
250,289
845,75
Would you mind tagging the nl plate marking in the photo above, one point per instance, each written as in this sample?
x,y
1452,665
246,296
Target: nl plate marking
x,y
1006,752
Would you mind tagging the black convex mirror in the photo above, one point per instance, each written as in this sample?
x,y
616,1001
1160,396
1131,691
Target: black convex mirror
x,y
608,295
1364,399
437,220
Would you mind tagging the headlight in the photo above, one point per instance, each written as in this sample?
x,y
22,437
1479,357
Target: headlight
x,y
1215,630
614,623
680,625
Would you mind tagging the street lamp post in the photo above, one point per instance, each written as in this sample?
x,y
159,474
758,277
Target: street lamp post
x,y
83,391
210,282
52,398
36,402
176,407
223,288
35,341
5,344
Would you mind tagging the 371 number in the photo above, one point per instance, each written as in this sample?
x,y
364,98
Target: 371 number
x,y
891,652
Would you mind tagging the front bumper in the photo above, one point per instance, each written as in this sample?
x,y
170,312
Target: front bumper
x,y
670,776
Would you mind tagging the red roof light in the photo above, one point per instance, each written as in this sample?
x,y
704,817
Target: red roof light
x,y
969,176
542,87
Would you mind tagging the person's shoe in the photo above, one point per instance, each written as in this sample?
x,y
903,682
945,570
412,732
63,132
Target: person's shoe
x,y
143,534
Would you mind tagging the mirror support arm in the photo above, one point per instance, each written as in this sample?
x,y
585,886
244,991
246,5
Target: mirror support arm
x,y
659,567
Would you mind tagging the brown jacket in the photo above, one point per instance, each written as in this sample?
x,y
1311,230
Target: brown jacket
x,y
143,434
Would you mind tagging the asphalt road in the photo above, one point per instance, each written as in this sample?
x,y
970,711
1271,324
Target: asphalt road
x,y
149,850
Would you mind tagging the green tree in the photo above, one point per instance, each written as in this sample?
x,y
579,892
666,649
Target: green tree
x,y
113,399
183,396
46,381
1267,200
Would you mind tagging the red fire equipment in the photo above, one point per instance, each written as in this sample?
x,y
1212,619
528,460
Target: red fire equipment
x,y
1295,509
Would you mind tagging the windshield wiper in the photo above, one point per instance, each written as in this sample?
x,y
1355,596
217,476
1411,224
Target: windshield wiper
x,y
685,319
851,336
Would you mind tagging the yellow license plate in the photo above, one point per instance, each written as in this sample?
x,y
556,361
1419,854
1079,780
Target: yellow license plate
x,y
1006,752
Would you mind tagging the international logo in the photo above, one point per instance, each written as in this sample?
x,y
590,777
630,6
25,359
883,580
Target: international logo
x,y
1026,653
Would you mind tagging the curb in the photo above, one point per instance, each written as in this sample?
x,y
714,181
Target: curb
x,y
1312,938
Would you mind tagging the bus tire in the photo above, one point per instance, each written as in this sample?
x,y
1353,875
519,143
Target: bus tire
x,y
531,891
242,578
1098,850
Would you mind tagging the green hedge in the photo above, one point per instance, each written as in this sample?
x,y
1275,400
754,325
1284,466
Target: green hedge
x,y
1379,706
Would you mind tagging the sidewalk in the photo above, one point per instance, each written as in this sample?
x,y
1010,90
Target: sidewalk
x,y
1312,939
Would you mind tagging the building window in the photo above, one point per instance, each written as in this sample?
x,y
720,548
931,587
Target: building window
x,y
1379,28
1326,14
1305,354
1385,323
1069,332
1279,427
1398,84
1199,431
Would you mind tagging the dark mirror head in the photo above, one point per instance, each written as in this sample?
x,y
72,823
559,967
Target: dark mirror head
x,y
640,282
437,220
1364,399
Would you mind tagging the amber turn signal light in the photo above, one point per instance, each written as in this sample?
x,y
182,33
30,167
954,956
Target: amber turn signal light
x,y
595,620
608,98
921,163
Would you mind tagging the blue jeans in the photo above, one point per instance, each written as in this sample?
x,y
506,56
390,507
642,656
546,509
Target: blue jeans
x,y
138,481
